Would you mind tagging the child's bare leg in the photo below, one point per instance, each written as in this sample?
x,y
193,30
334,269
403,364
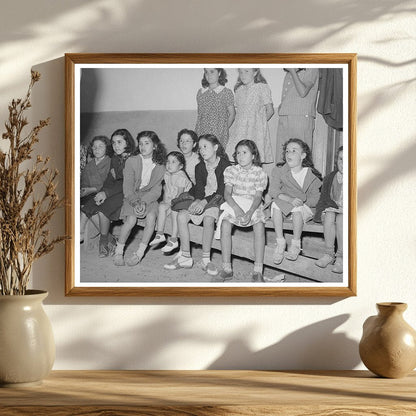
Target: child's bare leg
x,y
297,225
277,218
227,271
329,237
184,259
104,224
183,219
338,266
339,231
259,244
160,226
126,228
148,231
279,251
149,228
174,221
295,245
207,236
172,243
329,231
103,249
125,231
226,228
83,222
161,219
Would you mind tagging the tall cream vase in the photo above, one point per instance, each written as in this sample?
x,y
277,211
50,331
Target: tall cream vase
x,y
28,200
27,346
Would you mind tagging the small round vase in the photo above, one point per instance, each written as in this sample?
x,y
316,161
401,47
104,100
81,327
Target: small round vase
x,y
388,345
27,346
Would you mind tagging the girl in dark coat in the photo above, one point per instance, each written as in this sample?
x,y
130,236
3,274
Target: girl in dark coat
x,y
330,211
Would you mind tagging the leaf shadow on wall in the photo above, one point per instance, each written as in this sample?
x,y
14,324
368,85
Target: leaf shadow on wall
x,y
252,23
396,166
316,346
105,26
151,345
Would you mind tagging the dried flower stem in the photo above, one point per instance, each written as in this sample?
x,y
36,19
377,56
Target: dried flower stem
x,y
23,217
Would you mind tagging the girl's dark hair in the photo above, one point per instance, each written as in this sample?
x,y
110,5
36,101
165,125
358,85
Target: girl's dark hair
x,y
258,78
253,150
159,151
181,159
179,156
108,147
307,161
214,141
193,135
222,78
130,144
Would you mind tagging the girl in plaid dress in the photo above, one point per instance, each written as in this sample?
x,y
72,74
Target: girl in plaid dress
x,y
245,183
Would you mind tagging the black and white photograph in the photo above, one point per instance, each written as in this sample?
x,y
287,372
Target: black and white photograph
x,y
211,175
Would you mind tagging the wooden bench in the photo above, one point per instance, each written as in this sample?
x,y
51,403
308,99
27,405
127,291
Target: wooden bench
x,y
313,247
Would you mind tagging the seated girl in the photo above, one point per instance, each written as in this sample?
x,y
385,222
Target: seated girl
x,y
330,211
188,145
94,174
294,189
245,183
208,193
142,187
176,181
108,201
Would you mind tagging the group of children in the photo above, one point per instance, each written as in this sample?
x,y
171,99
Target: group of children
x,y
218,176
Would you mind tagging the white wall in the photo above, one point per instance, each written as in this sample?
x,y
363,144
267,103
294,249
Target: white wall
x,y
198,333
132,89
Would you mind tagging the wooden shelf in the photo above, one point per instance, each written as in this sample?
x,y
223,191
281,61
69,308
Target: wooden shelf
x,y
209,393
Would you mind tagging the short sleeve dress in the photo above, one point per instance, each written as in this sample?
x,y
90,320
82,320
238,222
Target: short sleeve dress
x,y
213,112
245,183
251,121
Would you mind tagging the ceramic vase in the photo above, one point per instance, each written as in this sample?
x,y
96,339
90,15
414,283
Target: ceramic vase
x,y
27,347
388,345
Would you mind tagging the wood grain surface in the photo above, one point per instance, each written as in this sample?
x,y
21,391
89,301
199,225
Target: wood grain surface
x,y
206,393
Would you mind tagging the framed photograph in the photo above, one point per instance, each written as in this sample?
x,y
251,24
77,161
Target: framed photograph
x,y
211,174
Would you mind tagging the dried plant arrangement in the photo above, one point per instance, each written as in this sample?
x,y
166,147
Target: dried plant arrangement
x,y
28,199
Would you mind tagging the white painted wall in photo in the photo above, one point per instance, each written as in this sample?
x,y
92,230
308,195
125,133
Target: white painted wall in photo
x,y
194,333
155,89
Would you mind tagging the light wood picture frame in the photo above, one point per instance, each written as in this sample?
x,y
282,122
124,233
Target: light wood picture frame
x,y
157,92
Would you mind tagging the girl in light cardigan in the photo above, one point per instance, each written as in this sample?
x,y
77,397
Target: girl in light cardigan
x,y
142,187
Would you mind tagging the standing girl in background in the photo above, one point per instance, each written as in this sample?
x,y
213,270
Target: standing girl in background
x,y
208,193
176,181
245,183
215,102
142,188
254,108
94,173
330,211
188,145
294,189
108,201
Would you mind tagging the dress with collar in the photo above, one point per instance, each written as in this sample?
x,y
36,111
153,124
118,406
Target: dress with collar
x,y
213,112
